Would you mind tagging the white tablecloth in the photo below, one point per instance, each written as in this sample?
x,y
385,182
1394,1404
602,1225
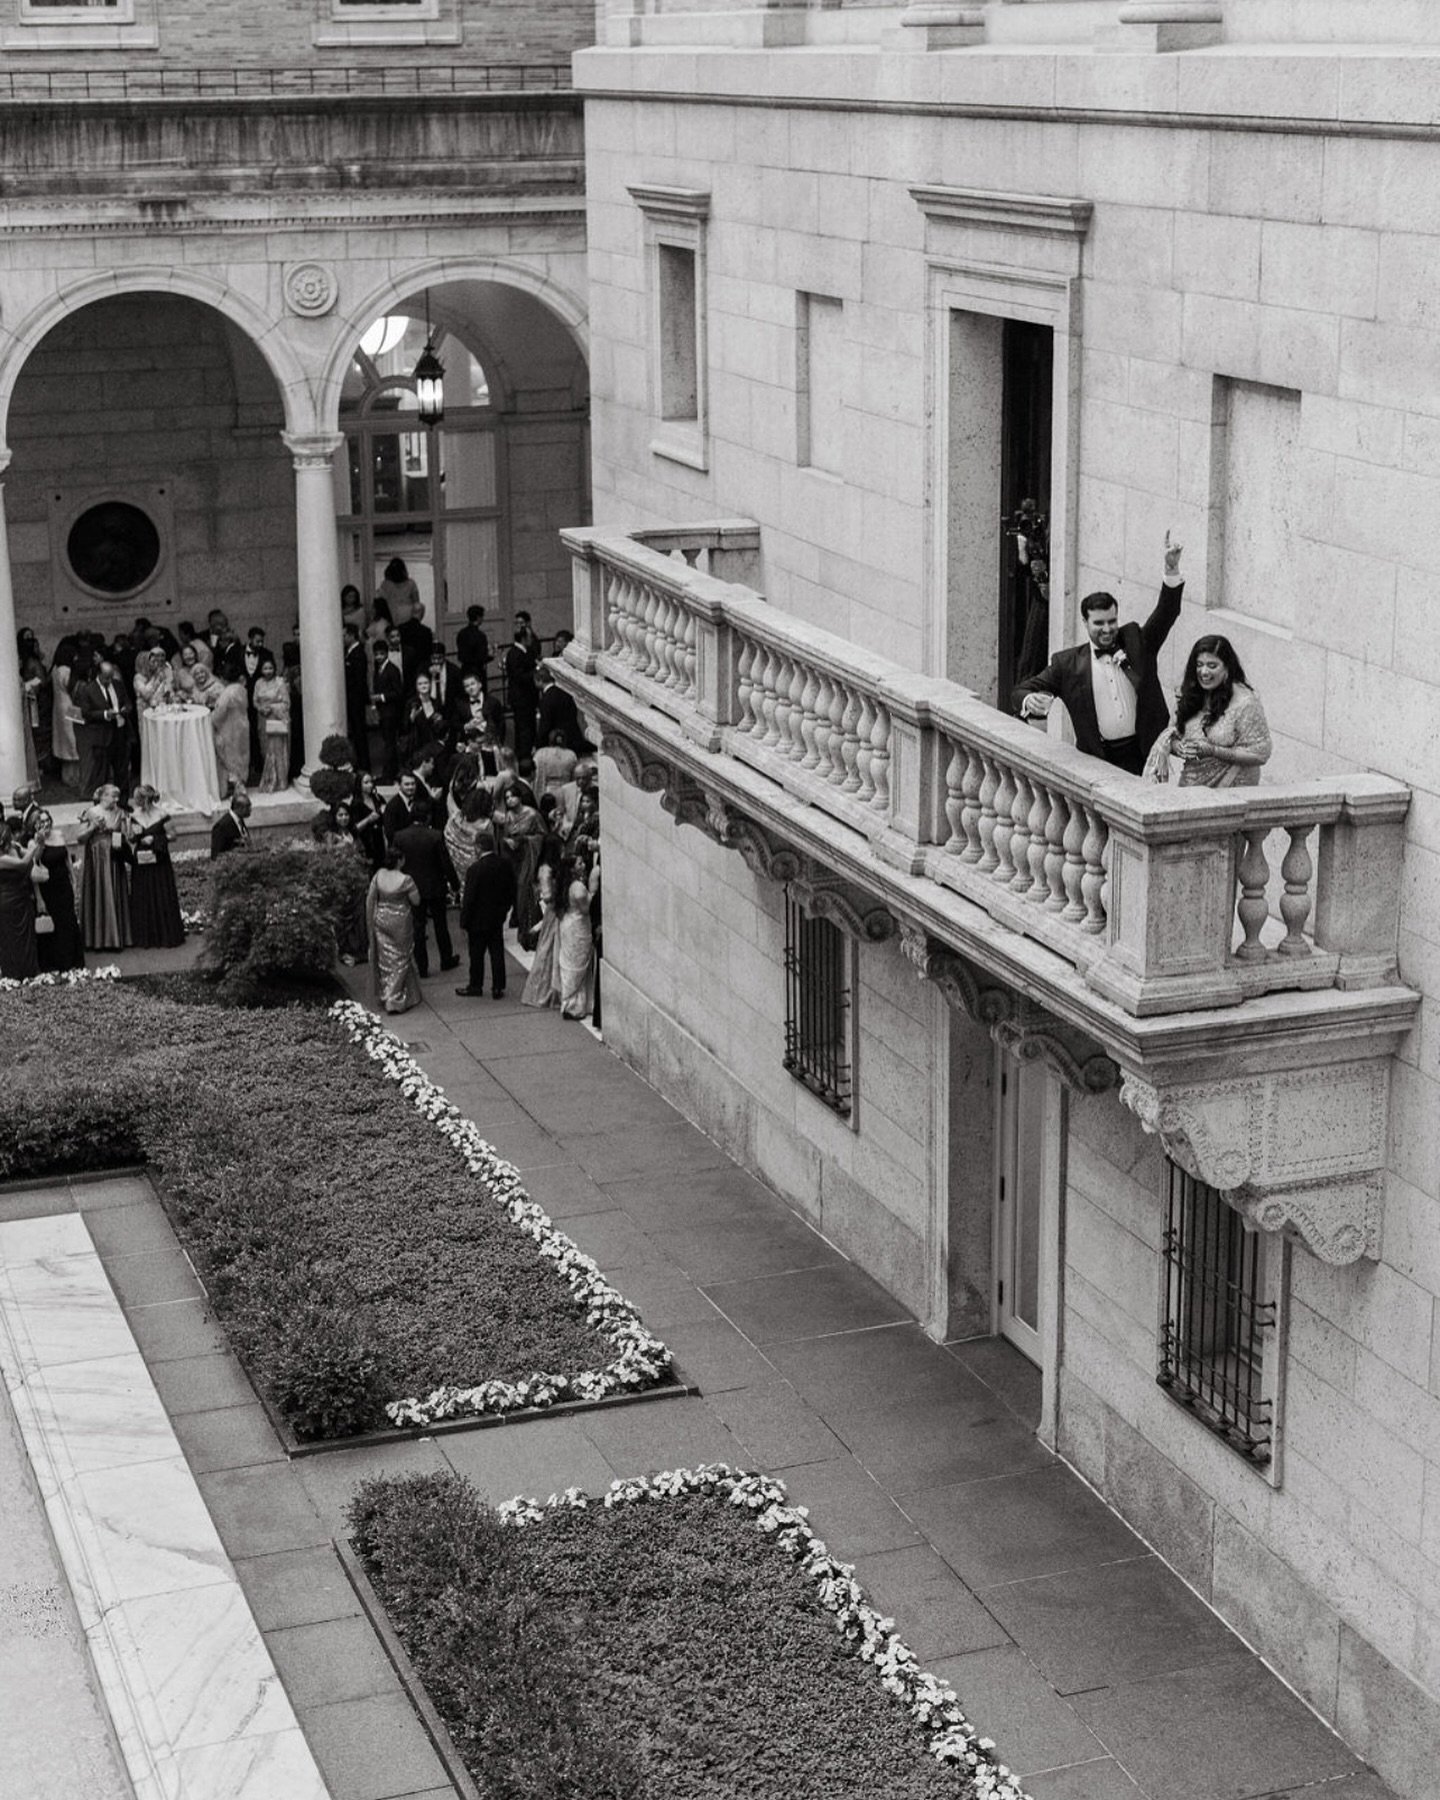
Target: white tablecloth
x,y
177,758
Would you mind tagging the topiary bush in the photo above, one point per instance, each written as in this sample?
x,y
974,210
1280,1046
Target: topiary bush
x,y
276,916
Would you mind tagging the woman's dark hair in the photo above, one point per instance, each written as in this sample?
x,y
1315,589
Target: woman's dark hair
x,y
1192,698
382,609
393,858
349,588
267,661
395,569
320,827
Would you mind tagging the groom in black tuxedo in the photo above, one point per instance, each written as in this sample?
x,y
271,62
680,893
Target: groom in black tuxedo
x,y
1109,684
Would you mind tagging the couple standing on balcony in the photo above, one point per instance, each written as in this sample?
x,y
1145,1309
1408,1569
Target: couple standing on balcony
x,y
1112,691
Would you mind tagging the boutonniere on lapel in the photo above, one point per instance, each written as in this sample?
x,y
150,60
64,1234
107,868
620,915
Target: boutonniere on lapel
x,y
1121,660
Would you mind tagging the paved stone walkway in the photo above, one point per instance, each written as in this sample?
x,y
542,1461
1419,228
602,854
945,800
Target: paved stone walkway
x,y
1098,1673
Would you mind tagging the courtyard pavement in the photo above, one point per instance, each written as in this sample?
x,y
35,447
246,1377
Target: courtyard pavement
x,y
1098,1673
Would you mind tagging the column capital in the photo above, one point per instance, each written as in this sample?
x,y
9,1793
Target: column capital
x,y
312,449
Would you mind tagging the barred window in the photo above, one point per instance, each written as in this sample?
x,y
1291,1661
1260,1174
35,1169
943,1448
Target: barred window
x,y
817,1007
1218,1322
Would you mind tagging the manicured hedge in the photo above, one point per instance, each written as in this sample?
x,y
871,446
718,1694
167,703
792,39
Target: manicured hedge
x,y
348,1250
665,1650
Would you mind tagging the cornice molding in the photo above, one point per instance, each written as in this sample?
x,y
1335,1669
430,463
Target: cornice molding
x,y
1047,214
180,216
671,203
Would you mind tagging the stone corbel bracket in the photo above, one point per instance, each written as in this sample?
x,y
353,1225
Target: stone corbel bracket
x,y
1015,1022
1298,1151
820,894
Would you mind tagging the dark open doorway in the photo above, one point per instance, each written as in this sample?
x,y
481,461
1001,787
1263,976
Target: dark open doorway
x,y
1028,357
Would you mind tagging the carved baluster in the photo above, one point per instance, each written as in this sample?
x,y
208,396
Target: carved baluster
x,y
765,690
880,759
1039,889
1020,836
1074,870
784,671
745,687
809,699
1254,873
864,755
1296,871
970,786
689,655
825,689
989,816
645,645
676,621
1052,861
1004,826
850,742
614,616
657,640
795,749
955,771
1094,880
836,772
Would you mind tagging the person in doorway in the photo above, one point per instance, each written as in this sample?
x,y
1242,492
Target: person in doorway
x,y
1110,684
489,897
399,592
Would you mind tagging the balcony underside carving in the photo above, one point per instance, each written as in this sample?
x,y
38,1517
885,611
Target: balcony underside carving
x,y
1299,1151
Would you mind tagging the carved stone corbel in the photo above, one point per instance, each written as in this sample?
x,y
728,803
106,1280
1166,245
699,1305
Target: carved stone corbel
x,y
1018,1024
636,769
762,854
1298,1151
854,912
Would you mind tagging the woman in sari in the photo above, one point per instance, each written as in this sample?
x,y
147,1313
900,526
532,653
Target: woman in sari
x,y
59,947
390,925
272,703
64,713
575,956
230,721
468,812
1221,735
523,832
542,986
205,686
104,877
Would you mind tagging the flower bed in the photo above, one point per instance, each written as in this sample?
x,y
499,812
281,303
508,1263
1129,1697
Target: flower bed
x,y
374,1262
687,1636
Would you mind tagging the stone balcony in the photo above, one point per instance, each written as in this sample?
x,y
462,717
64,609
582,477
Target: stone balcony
x,y
1230,952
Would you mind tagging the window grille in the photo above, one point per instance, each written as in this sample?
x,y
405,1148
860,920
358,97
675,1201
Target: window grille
x,y
817,1007
1216,1324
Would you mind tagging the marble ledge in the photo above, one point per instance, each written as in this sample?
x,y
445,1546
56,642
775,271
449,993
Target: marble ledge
x,y
197,1705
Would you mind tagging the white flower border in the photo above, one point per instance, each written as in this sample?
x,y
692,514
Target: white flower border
x,y
61,978
198,919
932,1703
641,1360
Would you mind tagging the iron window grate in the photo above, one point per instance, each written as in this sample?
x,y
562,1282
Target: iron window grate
x,y
817,1007
1216,1324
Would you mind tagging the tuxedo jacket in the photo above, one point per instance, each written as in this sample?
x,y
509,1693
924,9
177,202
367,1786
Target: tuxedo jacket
x,y
357,685
1067,677
389,690
489,894
427,861
89,698
473,648
226,834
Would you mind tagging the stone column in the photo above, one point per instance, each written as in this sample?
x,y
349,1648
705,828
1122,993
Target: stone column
x,y
317,569
13,726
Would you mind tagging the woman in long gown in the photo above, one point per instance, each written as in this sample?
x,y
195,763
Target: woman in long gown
x,y
468,811
61,947
523,830
542,985
35,689
63,714
390,924
230,721
18,958
104,876
272,703
367,821
576,954
154,899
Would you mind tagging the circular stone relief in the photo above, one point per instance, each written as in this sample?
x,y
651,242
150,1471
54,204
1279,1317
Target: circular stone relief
x,y
310,289
113,549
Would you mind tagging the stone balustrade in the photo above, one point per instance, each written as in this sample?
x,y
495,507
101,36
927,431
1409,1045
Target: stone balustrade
x,y
1164,899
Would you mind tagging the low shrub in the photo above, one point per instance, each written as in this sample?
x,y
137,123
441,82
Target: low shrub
x,y
277,915
661,1650
350,1254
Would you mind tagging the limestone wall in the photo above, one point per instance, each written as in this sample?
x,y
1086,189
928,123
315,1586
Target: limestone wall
x,y
1260,373
694,998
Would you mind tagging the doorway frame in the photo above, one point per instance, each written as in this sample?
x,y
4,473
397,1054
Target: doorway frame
x,y
1006,256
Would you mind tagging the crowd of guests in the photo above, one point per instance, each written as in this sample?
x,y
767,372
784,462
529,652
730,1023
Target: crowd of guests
x,y
84,706
115,891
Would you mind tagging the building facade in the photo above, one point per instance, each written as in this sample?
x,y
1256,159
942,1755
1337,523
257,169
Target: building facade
x,y
1143,1078
224,240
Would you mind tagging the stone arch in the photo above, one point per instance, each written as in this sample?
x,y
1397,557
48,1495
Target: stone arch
x,y
265,333
380,299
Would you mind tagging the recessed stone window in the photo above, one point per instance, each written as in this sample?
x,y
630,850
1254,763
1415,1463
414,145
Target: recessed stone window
x,y
818,1009
347,22
675,220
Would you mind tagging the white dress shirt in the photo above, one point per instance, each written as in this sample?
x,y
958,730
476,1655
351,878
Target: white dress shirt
x,y
1115,698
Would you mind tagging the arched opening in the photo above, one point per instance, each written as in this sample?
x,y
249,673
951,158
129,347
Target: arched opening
x,y
148,477
474,505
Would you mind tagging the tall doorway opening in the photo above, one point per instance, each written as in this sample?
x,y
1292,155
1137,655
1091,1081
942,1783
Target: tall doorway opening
x,y
1019,1201
1028,358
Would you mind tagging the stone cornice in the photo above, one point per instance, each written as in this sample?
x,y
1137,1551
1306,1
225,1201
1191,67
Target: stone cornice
x,y
671,203
167,215
1047,213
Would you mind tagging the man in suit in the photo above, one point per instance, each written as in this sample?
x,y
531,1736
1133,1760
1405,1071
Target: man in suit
x,y
252,657
428,864
400,807
103,734
357,698
417,641
473,647
521,661
445,688
1109,684
557,711
230,832
489,896
388,686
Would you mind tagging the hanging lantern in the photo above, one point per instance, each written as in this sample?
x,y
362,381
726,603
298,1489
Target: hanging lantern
x,y
429,377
